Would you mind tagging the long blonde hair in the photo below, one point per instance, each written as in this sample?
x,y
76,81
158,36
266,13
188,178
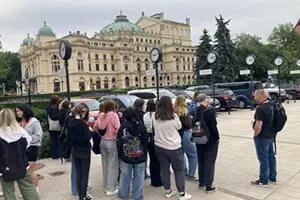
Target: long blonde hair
x,y
7,119
180,106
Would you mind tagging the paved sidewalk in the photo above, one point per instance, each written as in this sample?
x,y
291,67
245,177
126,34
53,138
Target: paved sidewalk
x,y
237,165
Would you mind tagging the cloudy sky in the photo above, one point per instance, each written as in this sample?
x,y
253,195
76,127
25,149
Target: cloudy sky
x,y
19,17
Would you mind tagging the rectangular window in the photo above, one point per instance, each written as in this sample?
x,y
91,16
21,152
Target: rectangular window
x,y
89,56
112,57
55,66
161,67
113,67
146,49
177,67
189,68
96,56
90,67
188,59
183,67
137,48
104,57
183,59
80,65
105,67
97,67
126,67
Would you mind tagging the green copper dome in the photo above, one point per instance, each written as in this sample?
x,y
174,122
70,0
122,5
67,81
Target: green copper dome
x,y
46,30
121,24
28,41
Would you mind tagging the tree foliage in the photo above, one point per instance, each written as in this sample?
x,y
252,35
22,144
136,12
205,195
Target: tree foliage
x,y
202,50
10,69
226,67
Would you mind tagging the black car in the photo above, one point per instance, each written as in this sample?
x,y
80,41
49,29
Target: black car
x,y
225,96
124,101
292,90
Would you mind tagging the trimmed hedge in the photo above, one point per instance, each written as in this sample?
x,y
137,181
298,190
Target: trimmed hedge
x,y
64,94
37,104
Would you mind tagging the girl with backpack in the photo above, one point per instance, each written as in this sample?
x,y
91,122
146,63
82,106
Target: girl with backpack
x,y
132,148
168,147
109,123
79,134
12,135
188,147
154,163
26,119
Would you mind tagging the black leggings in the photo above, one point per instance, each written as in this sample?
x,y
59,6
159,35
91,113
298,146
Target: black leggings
x,y
82,162
154,165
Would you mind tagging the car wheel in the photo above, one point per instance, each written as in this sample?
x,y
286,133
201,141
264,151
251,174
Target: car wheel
x,y
242,104
274,97
291,96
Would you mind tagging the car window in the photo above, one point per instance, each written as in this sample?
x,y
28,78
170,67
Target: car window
x,y
166,93
128,100
93,105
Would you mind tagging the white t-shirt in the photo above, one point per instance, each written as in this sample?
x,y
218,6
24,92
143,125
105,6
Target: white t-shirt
x,y
166,133
148,121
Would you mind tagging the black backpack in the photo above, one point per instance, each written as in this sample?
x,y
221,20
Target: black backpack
x,y
64,144
280,117
13,160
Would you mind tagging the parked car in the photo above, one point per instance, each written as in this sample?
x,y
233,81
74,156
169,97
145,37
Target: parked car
x,y
225,96
198,87
123,101
273,90
93,107
292,90
152,94
190,95
242,91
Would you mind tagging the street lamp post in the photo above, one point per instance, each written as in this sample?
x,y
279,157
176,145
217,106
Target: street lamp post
x,y
156,56
250,60
140,76
211,59
65,52
27,83
278,61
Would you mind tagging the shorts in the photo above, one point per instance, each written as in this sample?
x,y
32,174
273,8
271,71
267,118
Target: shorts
x,y
32,153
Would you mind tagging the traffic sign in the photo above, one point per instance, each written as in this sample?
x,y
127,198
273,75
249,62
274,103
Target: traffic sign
x,y
275,71
205,72
61,72
244,72
150,72
295,72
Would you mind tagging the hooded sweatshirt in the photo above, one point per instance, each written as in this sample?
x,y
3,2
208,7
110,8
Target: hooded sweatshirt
x,y
132,142
111,122
79,135
34,129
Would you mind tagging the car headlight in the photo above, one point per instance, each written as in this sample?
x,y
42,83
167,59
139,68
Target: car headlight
x,y
91,119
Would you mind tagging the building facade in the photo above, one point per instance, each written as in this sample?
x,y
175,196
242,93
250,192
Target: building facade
x,y
117,56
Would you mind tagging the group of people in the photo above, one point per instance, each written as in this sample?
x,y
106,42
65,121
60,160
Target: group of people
x,y
161,129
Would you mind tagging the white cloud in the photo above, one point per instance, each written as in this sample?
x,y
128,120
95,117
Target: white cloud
x,y
17,18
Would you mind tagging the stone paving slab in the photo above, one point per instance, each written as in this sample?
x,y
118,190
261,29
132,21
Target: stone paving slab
x,y
237,165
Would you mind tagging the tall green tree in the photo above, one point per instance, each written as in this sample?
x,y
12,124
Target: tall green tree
x,y
226,66
203,49
287,43
10,70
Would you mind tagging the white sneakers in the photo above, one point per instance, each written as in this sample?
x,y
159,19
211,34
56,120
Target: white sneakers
x,y
171,194
185,197
111,193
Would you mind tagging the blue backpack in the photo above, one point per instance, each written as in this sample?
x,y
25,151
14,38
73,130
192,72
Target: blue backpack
x,y
192,107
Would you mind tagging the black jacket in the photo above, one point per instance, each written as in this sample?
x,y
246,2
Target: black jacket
x,y
141,116
62,116
186,121
211,122
79,135
132,142
53,112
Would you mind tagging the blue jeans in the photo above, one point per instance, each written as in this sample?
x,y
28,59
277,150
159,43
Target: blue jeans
x,y
266,156
137,181
190,149
74,187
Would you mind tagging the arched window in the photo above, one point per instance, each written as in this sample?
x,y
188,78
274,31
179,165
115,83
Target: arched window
x,y
55,62
145,81
178,60
98,83
113,81
178,80
137,39
126,60
184,79
167,30
136,79
56,85
153,78
106,83
103,44
146,64
127,82
81,84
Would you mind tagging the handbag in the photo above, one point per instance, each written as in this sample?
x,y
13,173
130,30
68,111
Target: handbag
x,y
200,132
53,125
96,143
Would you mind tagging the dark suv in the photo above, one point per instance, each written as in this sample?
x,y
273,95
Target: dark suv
x,y
225,97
